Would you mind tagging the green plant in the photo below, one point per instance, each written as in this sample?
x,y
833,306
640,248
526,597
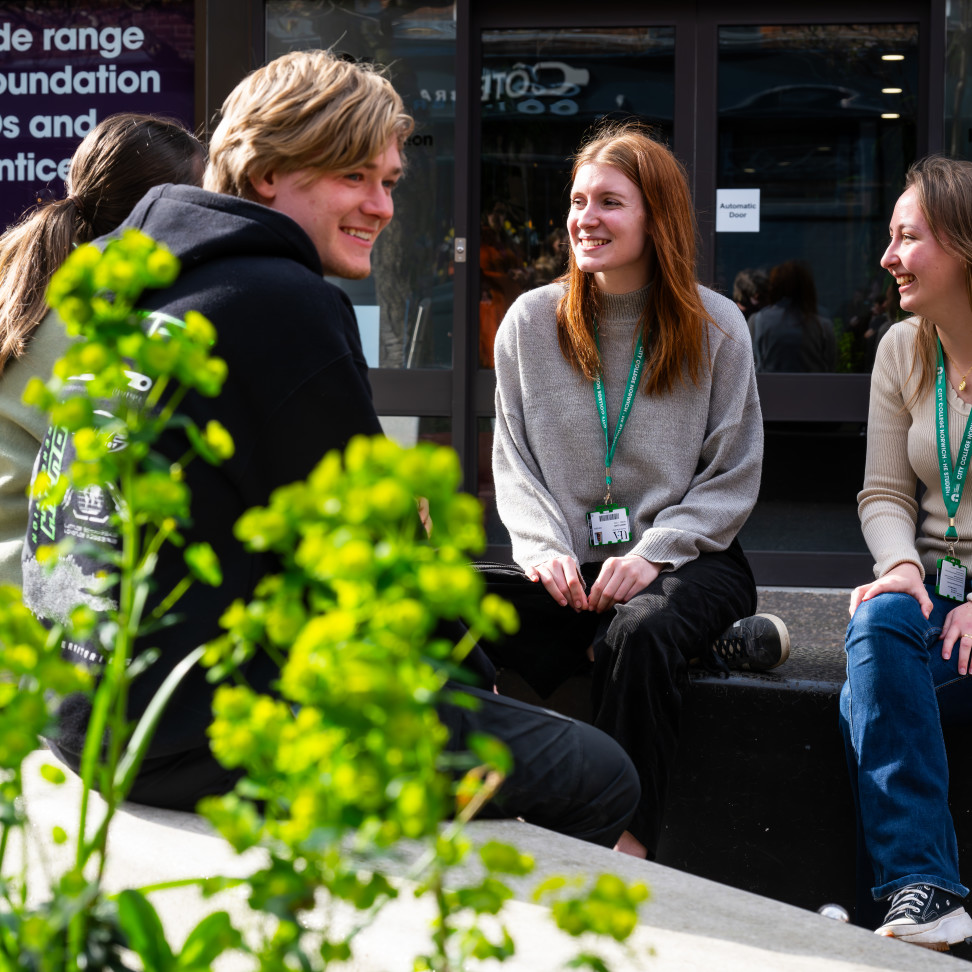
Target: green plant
x,y
114,432
340,767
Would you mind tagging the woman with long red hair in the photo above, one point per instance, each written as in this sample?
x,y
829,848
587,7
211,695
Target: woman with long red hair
x,y
626,458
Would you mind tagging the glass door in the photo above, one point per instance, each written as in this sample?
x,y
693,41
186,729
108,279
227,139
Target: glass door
x,y
796,127
816,125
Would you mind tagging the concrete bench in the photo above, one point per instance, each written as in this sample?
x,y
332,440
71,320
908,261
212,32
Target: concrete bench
x,y
689,924
760,798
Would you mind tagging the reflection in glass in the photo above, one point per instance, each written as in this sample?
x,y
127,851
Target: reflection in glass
x,y
750,290
958,91
405,307
407,430
496,533
789,334
824,127
541,90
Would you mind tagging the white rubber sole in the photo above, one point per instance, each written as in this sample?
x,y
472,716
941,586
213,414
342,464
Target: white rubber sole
x,y
950,929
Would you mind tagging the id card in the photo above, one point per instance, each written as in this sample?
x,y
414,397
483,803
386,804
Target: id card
x,y
950,582
608,524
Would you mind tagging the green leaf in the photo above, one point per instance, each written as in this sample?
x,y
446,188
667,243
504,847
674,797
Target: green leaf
x,y
485,898
505,859
214,935
549,886
203,563
146,936
587,960
491,751
142,736
53,774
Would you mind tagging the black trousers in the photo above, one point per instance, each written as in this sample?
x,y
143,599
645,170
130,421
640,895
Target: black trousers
x,y
567,776
641,655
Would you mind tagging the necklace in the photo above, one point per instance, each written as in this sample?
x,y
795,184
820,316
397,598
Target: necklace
x,y
962,383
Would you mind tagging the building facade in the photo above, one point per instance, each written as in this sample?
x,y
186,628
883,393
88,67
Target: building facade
x,y
796,127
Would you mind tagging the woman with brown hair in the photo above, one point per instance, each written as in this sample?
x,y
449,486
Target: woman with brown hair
x,y
117,162
910,637
626,458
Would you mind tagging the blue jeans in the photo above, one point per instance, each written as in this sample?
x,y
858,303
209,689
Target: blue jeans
x,y
899,692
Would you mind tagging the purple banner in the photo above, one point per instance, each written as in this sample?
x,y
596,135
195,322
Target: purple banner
x,y
65,66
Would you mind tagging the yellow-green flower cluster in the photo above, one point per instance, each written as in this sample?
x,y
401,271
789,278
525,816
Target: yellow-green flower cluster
x,y
608,907
33,676
118,386
354,744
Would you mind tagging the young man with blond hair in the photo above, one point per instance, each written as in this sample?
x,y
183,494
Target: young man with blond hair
x,y
302,168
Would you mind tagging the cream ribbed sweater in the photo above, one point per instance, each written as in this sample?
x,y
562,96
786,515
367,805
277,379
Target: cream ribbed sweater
x,y
687,465
901,449
21,430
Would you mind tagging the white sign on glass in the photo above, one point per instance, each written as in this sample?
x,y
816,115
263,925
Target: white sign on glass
x,y
737,210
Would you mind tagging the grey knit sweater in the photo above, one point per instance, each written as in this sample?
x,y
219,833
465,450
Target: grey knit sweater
x,y
687,465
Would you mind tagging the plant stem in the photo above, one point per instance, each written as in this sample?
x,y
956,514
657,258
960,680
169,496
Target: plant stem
x,y
108,710
164,606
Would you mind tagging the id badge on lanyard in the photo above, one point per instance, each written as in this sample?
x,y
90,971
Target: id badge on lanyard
x,y
952,573
610,523
950,582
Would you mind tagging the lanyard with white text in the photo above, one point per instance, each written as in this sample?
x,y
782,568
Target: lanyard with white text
x,y
611,444
953,480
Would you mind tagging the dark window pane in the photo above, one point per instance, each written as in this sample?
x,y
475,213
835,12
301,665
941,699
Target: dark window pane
x,y
541,90
404,308
821,120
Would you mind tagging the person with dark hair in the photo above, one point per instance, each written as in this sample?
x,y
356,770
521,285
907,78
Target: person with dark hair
x,y
909,640
626,458
750,291
789,334
117,162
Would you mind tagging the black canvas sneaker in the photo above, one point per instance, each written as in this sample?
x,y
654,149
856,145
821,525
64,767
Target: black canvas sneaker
x,y
925,915
754,644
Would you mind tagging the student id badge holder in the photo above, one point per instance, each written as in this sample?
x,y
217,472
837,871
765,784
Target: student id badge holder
x,y
952,573
950,580
610,523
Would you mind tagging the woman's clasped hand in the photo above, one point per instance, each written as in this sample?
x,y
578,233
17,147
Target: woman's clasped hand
x,y
619,580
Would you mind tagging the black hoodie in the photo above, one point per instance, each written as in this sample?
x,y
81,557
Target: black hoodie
x,y
297,387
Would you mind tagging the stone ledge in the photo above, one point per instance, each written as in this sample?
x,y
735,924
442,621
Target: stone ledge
x,y
689,924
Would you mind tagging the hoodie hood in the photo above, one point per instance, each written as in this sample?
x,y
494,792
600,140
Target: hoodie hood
x,y
199,226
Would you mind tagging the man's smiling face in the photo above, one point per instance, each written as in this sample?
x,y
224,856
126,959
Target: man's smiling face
x,y
342,212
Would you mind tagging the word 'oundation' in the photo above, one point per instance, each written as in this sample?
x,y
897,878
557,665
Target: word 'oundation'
x,y
108,42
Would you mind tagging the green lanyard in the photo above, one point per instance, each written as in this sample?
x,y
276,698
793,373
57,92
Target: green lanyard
x,y
953,480
611,444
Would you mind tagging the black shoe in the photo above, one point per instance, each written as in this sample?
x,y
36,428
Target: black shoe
x,y
928,916
755,644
